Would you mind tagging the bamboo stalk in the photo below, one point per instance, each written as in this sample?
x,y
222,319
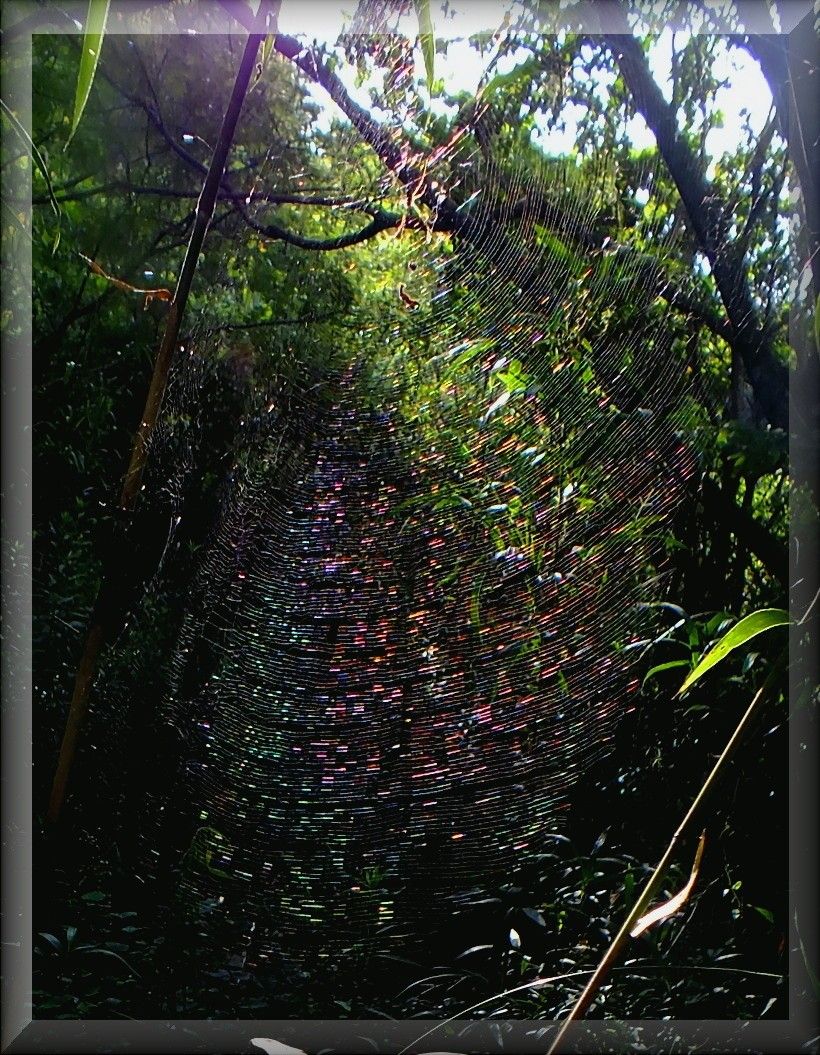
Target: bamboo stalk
x,y
639,908
132,482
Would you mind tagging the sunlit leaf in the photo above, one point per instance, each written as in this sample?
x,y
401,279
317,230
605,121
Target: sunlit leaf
x,y
95,21
495,406
474,949
741,632
508,82
535,916
94,896
427,41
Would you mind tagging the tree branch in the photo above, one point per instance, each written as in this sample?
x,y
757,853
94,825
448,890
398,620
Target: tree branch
x,y
270,197
382,221
708,218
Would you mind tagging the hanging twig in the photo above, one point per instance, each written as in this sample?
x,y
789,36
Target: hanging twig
x,y
148,294
100,617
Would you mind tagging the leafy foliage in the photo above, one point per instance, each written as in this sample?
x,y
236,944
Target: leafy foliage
x,y
288,318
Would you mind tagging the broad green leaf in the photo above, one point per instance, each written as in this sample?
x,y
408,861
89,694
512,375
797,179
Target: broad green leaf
x,y
95,21
741,632
426,40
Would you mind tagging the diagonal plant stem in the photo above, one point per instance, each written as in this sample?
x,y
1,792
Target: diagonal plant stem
x,y
100,618
653,883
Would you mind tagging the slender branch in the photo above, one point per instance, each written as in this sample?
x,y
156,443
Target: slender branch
x,y
381,220
386,143
760,198
342,241
270,197
107,600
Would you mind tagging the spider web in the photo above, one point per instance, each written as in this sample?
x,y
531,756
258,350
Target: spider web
x,y
404,642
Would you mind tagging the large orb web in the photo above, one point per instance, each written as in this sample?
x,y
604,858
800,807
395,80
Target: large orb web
x,y
406,641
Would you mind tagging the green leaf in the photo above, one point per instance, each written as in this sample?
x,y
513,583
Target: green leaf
x,y
42,168
95,21
664,666
741,632
507,82
53,941
94,896
95,950
427,40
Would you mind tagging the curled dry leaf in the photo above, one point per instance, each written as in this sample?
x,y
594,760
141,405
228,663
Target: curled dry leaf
x,y
676,903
